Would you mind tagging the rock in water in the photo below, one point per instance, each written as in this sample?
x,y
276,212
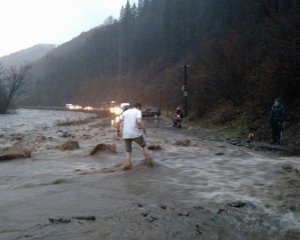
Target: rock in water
x,y
154,147
102,147
87,218
13,153
69,145
59,220
184,143
289,168
240,204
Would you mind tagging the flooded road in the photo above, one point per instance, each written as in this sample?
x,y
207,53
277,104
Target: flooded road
x,y
198,189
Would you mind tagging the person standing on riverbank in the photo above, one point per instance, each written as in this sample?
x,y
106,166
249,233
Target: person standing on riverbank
x,y
131,120
276,119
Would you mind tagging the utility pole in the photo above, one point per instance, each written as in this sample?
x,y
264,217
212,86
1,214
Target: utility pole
x,y
185,89
160,89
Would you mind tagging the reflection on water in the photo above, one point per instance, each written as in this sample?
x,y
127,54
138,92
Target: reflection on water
x,y
114,122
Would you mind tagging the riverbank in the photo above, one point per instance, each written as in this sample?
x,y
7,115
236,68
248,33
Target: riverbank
x,y
241,133
235,135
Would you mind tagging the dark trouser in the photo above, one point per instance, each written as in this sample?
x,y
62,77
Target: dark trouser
x,y
276,132
139,140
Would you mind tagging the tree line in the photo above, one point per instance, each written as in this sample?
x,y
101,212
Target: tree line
x,y
242,52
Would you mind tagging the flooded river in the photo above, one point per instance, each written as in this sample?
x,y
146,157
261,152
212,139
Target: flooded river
x,y
198,189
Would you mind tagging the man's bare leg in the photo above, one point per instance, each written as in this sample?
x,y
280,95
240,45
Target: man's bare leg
x,y
148,158
127,163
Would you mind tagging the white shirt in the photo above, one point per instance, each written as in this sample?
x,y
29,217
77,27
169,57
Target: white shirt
x,y
130,126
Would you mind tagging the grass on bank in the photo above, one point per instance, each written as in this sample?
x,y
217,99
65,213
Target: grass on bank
x,y
236,123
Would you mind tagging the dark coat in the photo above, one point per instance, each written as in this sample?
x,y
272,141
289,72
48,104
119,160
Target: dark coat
x,y
180,113
277,114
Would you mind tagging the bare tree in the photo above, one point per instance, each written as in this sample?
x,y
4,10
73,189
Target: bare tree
x,y
10,82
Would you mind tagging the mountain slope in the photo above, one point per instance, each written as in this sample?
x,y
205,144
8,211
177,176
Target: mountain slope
x,y
27,55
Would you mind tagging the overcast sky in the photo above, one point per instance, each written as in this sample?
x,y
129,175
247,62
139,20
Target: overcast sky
x,y
24,23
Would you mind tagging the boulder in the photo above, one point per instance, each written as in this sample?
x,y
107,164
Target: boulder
x,y
154,147
289,168
103,147
17,137
184,143
66,135
241,204
69,145
13,153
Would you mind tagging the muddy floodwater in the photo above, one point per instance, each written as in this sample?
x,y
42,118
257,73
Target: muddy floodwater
x,y
197,189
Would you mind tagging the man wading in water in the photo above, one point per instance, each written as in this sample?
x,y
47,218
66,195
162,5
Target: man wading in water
x,y
132,126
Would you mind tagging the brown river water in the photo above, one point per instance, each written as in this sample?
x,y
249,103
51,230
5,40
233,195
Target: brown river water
x,y
197,189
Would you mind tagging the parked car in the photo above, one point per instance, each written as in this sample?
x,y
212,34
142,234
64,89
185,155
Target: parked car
x,y
151,111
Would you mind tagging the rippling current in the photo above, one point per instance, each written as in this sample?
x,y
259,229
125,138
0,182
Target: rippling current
x,y
203,172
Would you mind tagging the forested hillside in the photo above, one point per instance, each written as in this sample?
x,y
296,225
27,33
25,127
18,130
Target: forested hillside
x,y
242,54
